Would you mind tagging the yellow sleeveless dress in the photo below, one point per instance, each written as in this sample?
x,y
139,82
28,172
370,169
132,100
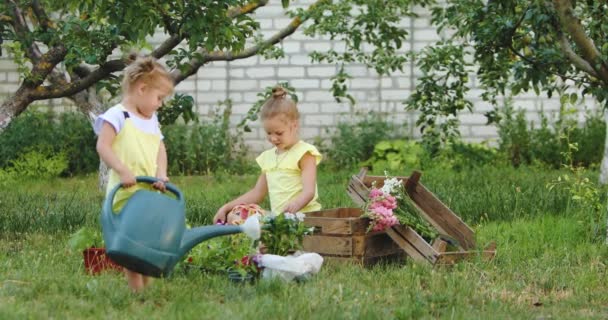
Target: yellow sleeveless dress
x,y
138,150
284,176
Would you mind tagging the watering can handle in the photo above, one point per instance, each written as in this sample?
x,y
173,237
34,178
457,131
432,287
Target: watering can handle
x,y
170,187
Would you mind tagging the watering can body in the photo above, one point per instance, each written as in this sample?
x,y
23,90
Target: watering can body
x,y
149,234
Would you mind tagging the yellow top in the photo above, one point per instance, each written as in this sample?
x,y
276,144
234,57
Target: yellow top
x,y
138,150
284,176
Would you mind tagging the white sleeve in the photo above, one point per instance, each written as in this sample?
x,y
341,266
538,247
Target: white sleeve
x,y
113,116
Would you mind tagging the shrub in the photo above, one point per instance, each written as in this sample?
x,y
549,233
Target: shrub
x,y
524,144
352,143
49,133
206,147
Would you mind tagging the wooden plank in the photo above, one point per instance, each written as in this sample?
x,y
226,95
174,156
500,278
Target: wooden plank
x,y
449,258
406,246
334,226
333,245
439,245
417,242
439,215
357,191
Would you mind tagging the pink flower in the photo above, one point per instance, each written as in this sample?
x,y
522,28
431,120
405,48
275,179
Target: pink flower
x,y
375,193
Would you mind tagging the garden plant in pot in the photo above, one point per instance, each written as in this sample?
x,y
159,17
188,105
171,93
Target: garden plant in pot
x,y
90,242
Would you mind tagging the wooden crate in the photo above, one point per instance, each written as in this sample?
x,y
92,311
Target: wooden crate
x,y
340,234
448,224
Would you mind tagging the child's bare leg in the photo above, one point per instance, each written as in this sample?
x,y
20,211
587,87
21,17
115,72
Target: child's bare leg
x,y
135,280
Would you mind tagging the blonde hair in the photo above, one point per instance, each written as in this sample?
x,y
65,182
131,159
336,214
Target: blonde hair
x,y
279,104
145,69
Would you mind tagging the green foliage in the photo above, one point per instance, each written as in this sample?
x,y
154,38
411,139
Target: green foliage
x,y
283,233
524,144
67,135
464,156
440,92
585,195
84,238
517,46
38,165
353,142
206,147
220,254
356,25
180,106
396,155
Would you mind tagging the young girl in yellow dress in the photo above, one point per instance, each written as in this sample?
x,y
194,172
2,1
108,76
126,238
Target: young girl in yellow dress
x,y
129,137
289,169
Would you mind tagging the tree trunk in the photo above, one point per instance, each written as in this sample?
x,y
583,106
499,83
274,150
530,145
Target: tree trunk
x,y
604,166
13,106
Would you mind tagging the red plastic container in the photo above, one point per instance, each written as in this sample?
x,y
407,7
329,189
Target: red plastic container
x,y
96,261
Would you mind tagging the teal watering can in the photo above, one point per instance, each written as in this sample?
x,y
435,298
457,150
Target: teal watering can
x,y
149,234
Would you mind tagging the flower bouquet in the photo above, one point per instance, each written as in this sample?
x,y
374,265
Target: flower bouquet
x,y
390,205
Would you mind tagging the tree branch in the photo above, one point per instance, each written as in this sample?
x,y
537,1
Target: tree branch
x,y
196,63
572,25
249,8
22,31
576,60
43,18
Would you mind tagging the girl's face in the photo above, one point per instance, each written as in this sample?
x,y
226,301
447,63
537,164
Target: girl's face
x,y
281,132
151,97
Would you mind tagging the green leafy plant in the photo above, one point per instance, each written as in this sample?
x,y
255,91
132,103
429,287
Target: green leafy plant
x,y
180,106
84,238
583,193
51,134
208,146
354,141
283,233
35,164
223,253
396,155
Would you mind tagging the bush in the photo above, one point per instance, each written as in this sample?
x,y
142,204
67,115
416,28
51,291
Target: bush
x,y
352,143
49,133
524,144
206,147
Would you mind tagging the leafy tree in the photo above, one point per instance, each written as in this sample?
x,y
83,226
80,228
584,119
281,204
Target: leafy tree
x,y
64,48
551,47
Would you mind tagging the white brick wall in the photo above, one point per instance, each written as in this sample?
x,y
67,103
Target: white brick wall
x,y
242,80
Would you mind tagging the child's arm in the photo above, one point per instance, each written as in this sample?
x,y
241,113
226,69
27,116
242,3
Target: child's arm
x,y
104,149
255,195
161,168
308,165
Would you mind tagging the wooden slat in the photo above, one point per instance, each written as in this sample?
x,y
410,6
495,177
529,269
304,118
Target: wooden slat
x,y
439,245
332,245
440,216
406,246
357,191
448,258
417,242
334,226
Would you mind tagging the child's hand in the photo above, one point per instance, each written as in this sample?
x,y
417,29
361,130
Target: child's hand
x,y
160,185
221,215
127,179
292,207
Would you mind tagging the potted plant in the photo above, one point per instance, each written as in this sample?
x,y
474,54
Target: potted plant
x,y
90,242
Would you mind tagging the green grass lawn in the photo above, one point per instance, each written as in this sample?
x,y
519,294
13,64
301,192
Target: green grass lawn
x,y
545,265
